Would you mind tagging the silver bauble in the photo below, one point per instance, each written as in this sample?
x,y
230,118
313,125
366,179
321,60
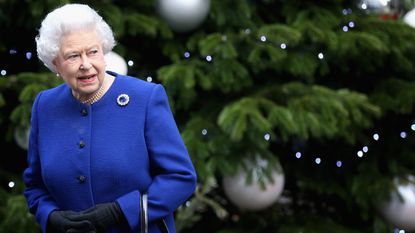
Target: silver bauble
x,y
21,136
409,18
116,63
399,210
253,196
374,6
183,15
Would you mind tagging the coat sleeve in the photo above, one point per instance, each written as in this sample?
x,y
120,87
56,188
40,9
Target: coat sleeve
x,y
174,176
39,200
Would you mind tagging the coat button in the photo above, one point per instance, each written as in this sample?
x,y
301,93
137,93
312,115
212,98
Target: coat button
x,y
84,112
81,144
81,179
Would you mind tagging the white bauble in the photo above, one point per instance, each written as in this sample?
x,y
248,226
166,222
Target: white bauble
x,y
252,196
374,6
409,18
183,15
115,63
400,209
21,136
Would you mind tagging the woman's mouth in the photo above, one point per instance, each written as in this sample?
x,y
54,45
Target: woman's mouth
x,y
87,79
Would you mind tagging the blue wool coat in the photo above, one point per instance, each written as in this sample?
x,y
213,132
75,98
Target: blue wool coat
x,y
81,155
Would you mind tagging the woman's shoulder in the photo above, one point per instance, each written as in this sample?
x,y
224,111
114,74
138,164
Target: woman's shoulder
x,y
132,80
127,82
54,92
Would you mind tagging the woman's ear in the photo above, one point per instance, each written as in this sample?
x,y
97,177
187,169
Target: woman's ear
x,y
55,64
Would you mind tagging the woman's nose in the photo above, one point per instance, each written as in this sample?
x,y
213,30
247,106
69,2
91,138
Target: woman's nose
x,y
86,64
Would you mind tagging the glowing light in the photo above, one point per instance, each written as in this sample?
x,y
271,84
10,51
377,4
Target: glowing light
x,y
320,56
204,131
360,154
376,136
403,134
186,54
345,28
11,184
365,149
263,38
3,72
209,58
267,136
298,155
130,63
318,160
351,24
344,11
347,11
283,46
149,79
339,163
28,55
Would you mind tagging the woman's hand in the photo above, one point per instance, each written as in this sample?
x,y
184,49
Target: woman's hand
x,y
101,216
63,222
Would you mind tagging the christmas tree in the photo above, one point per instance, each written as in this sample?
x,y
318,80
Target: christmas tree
x,y
298,115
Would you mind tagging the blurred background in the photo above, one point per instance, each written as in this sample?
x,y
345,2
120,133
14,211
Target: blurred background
x,y
298,115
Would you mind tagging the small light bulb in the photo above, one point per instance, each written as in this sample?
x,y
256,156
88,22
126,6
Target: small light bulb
x,y
267,136
209,58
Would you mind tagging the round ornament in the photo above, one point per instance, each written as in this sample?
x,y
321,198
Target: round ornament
x,y
409,18
373,6
385,9
183,15
399,210
254,195
21,136
116,63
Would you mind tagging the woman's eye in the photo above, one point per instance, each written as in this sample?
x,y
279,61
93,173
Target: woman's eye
x,y
93,52
72,57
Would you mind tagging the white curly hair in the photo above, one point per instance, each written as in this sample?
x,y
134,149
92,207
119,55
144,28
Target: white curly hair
x,y
66,19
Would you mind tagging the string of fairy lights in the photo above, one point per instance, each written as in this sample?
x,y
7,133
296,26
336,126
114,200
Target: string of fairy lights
x,y
263,38
360,153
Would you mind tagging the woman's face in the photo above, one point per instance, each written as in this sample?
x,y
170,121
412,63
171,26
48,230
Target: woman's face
x,y
81,62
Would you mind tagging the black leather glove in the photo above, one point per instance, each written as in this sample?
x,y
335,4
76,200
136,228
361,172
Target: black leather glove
x,y
78,231
102,216
61,222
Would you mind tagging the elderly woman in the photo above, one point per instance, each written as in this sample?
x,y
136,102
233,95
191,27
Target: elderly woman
x,y
105,154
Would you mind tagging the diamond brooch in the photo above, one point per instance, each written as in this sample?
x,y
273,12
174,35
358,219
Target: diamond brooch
x,y
123,99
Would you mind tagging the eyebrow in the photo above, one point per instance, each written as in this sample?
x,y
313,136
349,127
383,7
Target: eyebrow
x,y
71,51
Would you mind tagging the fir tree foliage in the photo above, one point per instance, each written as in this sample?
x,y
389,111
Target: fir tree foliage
x,y
14,213
258,78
